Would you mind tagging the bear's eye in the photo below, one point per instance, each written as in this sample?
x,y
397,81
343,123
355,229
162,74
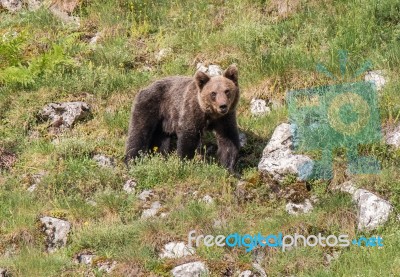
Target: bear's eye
x,y
227,92
213,95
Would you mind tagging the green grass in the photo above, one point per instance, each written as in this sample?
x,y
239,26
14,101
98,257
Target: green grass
x,y
43,60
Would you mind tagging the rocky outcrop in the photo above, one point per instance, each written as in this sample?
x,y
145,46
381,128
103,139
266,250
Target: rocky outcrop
x,y
278,159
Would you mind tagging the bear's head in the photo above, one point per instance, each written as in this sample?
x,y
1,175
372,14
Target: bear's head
x,y
218,95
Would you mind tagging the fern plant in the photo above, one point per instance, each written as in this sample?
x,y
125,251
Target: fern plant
x,y
19,72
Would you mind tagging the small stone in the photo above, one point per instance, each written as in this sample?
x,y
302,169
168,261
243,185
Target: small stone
x,y
152,211
301,208
56,230
242,139
130,186
377,77
175,250
194,269
246,273
104,161
86,259
392,136
146,195
208,199
259,107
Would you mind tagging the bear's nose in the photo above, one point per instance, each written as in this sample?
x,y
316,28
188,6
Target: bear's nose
x,y
223,108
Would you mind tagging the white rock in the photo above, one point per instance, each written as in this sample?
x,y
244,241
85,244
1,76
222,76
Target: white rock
x,y
377,77
146,195
175,250
207,199
246,273
57,232
373,211
11,5
278,159
201,67
130,186
259,107
300,208
242,139
194,269
65,115
152,211
86,259
214,70
392,136
104,161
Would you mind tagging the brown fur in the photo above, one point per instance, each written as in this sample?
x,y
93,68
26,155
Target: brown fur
x,y
185,107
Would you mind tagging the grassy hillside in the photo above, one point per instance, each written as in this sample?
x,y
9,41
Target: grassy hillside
x,y
43,60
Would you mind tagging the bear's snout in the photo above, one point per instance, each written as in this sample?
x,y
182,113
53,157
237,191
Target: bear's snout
x,y
223,108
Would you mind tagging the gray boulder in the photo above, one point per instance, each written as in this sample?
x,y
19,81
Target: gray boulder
x,y
373,211
194,269
56,231
64,115
278,159
12,5
212,69
174,250
152,211
103,161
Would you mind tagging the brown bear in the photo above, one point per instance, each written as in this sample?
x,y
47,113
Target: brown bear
x,y
184,107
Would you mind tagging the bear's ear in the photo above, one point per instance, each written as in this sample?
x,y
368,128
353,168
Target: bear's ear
x,y
201,79
232,73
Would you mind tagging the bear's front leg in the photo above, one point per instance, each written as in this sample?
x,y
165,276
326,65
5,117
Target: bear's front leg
x,y
187,144
228,141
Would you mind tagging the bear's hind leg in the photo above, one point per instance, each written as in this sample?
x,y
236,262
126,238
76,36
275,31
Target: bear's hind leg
x,y
140,136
